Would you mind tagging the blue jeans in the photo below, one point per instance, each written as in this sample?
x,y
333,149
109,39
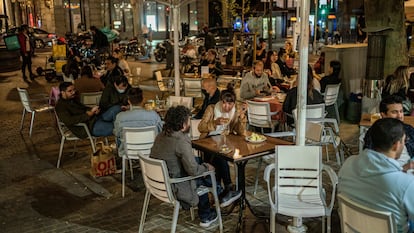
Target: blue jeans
x,y
204,210
222,168
104,124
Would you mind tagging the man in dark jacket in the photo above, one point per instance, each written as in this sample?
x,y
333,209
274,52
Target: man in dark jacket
x,y
281,62
114,96
71,112
211,95
112,70
100,43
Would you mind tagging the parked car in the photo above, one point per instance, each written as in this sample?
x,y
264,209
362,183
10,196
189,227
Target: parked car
x,y
42,38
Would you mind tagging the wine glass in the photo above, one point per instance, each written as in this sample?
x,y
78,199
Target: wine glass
x,y
226,119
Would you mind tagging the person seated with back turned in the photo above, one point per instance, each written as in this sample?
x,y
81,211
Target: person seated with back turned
x,y
87,83
333,76
392,107
211,95
255,83
215,120
314,97
173,145
114,98
375,179
137,116
71,112
210,60
112,70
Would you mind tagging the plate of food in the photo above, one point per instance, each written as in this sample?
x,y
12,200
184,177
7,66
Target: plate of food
x,y
255,138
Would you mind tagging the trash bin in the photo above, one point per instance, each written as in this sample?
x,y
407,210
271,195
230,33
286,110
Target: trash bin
x,y
353,113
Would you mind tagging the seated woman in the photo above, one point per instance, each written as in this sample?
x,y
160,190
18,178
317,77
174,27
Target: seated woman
x,y
215,120
272,69
314,97
122,63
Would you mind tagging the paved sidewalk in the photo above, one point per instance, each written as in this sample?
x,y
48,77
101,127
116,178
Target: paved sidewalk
x,y
38,197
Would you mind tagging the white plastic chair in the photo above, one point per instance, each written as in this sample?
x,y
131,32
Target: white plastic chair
x,y
316,113
161,85
192,87
90,98
259,115
356,217
313,134
330,98
67,135
158,184
297,189
135,141
180,100
27,107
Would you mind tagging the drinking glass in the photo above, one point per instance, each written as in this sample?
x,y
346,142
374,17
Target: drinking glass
x,y
224,147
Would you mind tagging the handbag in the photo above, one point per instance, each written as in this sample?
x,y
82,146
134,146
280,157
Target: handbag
x,y
102,161
12,42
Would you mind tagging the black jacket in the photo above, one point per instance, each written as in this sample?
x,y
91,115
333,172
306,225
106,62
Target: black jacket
x,y
206,102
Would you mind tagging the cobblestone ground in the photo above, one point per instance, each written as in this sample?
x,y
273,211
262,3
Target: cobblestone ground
x,y
38,197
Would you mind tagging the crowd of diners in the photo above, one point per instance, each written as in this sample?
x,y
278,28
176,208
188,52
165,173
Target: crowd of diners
x,y
377,177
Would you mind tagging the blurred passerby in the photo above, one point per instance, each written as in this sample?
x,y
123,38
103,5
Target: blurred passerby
x,y
26,51
100,43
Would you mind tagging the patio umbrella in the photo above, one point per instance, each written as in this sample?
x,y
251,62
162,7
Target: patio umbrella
x,y
175,6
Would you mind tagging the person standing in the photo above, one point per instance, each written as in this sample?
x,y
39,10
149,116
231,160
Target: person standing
x,y
100,43
375,179
26,51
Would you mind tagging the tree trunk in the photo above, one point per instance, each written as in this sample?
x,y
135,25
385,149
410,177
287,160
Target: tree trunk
x,y
389,13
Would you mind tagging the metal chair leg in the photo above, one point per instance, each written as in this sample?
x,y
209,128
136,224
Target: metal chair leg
x,y
31,123
21,122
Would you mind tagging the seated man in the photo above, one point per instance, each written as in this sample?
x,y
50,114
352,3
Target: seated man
x,y
255,83
374,178
211,95
114,97
210,60
391,107
174,146
112,70
71,112
137,117
281,61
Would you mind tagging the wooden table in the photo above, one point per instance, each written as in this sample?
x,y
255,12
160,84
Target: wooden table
x,y
365,123
247,151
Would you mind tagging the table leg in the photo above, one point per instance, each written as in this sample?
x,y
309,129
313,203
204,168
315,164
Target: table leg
x,y
242,187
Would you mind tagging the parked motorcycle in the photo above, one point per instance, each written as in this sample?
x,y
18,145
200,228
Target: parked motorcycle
x,y
132,48
160,52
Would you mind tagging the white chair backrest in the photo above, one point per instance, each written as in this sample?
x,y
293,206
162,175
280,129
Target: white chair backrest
x,y
160,81
156,177
331,94
356,217
298,170
24,98
90,98
259,113
194,133
314,112
180,100
192,87
138,139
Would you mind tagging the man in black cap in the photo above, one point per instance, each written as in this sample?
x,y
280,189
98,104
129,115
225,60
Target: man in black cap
x,y
261,50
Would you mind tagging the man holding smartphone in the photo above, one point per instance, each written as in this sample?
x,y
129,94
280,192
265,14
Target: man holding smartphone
x,y
71,112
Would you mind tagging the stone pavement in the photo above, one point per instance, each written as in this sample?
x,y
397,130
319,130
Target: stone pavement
x,y
38,197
